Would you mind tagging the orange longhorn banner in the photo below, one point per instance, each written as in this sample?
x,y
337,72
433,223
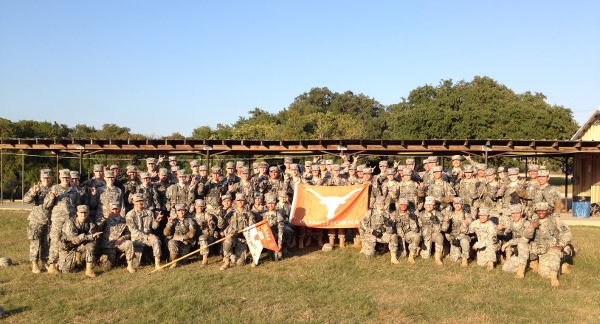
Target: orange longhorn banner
x,y
329,207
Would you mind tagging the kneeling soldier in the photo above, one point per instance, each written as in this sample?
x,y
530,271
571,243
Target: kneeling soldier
x,y
78,235
115,236
377,226
180,232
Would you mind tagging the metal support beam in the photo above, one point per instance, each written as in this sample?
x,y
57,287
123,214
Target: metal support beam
x,y
23,178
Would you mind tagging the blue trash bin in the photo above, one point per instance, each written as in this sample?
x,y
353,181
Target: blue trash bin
x,y
581,206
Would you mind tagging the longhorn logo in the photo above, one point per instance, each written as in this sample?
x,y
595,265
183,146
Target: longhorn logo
x,y
332,202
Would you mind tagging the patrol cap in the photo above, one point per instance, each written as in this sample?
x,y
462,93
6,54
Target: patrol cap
x,y
174,169
360,168
202,168
288,160
410,161
270,199
367,170
130,169
181,173
308,163
315,170
542,205
226,196
83,209
390,171
255,165
383,163
273,168
230,165
113,166
501,169
193,163
45,173
179,207
245,170
215,169
240,196
114,205
172,158
239,164
458,200
328,162
533,167
490,171
322,162
282,193
74,174
109,175
335,167
199,202
484,211
151,160
258,195
263,165
468,168
480,166
543,173
429,200
402,201
144,175
137,197
455,157
352,167
294,166
163,171
407,172
438,168
64,173
380,200
98,167
432,159
513,171
515,209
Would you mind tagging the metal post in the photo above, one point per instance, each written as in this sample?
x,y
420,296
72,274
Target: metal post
x,y
566,183
22,178
57,175
80,163
208,159
1,177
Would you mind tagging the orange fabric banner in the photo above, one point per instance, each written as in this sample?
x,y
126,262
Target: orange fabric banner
x,y
329,207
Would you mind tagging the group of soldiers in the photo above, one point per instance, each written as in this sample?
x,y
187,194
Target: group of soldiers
x,y
472,208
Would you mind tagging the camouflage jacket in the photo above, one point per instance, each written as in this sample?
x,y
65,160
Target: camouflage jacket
x,y
140,224
102,199
112,229
38,215
486,234
64,204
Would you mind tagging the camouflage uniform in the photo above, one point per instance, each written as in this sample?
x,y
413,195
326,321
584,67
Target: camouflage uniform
x,y
551,232
487,240
37,228
460,241
130,187
276,222
409,191
178,194
522,232
234,247
408,230
376,227
102,199
206,230
432,225
470,190
140,224
390,190
150,195
62,206
114,229
181,235
83,233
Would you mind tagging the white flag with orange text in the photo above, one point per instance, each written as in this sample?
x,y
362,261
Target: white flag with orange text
x,y
259,236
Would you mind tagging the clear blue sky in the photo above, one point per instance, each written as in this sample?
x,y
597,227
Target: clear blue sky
x,y
160,67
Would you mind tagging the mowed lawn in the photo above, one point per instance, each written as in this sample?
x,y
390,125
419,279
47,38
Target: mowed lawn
x,y
311,286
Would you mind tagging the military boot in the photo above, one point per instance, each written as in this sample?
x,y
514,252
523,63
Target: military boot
x,y
52,269
156,262
564,268
464,263
554,278
394,259
130,266
78,258
438,258
88,270
43,266
508,253
35,268
520,272
172,257
411,258
204,260
331,239
356,241
225,264
534,265
301,243
490,266
342,241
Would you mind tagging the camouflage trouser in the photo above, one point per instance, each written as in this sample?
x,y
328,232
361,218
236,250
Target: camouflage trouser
x,y
369,241
67,258
203,242
108,256
518,259
549,261
460,252
436,238
487,255
38,242
413,239
178,248
55,244
235,249
152,242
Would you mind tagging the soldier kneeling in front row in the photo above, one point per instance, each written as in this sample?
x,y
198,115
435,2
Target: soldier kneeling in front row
x,y
377,226
115,237
78,235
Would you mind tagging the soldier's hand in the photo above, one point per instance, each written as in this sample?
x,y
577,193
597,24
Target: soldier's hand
x,y
535,224
160,216
446,219
500,227
160,158
377,234
558,248
36,188
504,246
521,182
93,190
118,241
96,235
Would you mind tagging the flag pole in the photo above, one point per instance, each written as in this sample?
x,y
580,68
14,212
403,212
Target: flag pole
x,y
206,247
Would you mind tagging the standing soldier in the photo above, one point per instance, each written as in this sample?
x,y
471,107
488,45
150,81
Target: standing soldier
x,y
487,240
508,191
458,235
37,227
455,174
78,235
96,182
352,177
146,189
115,236
274,183
213,190
470,190
61,201
151,168
129,187
409,189
314,180
161,188
179,194
276,222
234,247
230,176
380,178
390,190
407,229
83,197
101,197
117,172
432,225
377,226
336,180
206,229
180,232
244,185
522,231
141,222
490,193
439,189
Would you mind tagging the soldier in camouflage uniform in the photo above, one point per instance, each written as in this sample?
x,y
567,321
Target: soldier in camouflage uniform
x,y
151,169
544,192
61,201
490,194
409,189
257,207
274,183
130,186
230,176
179,193
378,226
38,219
244,186
352,177
115,236
83,196
487,240
213,190
336,180
550,240
276,222
141,222
181,233
528,191
100,198
458,235
522,232
439,189
206,229
407,229
456,173
314,180
146,189
390,190
96,182
508,191
380,178
432,225
470,190
161,188
78,234
234,247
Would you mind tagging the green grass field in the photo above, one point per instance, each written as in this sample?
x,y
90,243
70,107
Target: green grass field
x,y
313,286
